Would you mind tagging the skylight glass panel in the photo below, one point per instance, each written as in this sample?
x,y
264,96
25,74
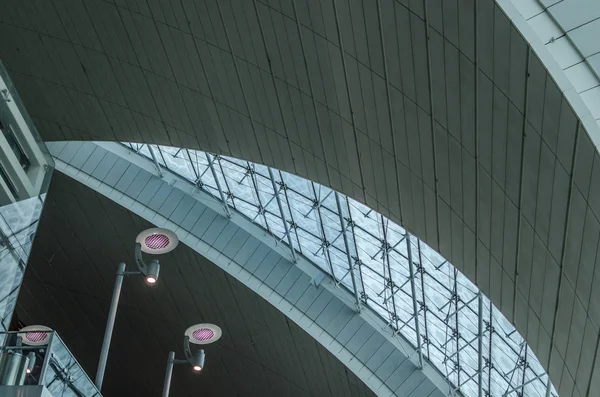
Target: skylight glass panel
x,y
446,300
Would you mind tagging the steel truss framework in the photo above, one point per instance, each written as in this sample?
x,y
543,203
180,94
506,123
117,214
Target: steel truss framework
x,y
419,294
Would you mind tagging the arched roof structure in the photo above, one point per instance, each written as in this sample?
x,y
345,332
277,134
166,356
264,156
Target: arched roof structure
x,y
452,118
388,306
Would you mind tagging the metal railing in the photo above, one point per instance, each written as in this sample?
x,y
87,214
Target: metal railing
x,y
51,365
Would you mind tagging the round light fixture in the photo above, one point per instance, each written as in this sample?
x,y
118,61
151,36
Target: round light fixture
x,y
203,334
157,241
35,335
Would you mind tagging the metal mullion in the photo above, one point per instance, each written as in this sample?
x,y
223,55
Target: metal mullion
x,y
448,339
522,385
336,239
414,296
287,200
373,270
525,365
423,294
507,344
268,202
439,283
156,164
464,304
318,202
252,204
467,344
192,164
226,184
457,329
382,308
452,340
214,173
549,387
369,233
300,193
399,288
254,177
327,209
389,268
318,237
359,262
285,224
513,371
324,236
404,324
161,155
197,164
457,388
246,202
393,248
480,345
490,348
348,255
254,184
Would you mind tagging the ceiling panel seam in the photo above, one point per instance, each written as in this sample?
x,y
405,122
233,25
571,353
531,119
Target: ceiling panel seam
x,y
563,255
520,216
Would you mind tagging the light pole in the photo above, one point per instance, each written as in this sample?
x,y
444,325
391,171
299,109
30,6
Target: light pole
x,y
200,334
152,241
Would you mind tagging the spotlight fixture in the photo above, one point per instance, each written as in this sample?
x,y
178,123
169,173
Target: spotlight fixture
x,y
152,272
153,241
198,360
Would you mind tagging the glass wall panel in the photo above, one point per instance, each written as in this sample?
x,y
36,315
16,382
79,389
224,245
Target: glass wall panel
x,y
25,170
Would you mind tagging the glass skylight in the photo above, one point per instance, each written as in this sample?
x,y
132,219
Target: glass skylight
x,y
376,269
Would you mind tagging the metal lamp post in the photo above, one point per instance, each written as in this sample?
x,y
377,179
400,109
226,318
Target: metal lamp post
x,y
152,241
201,334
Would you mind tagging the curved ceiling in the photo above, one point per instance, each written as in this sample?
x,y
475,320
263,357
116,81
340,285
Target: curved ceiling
x,y
470,144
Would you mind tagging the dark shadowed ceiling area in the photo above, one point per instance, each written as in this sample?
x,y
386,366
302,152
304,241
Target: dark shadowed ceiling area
x,y
68,284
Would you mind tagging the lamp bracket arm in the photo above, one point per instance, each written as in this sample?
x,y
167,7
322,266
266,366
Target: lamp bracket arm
x,y
139,260
187,350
